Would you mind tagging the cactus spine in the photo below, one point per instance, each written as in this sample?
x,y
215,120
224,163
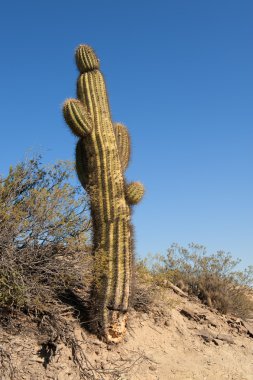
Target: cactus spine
x,y
102,155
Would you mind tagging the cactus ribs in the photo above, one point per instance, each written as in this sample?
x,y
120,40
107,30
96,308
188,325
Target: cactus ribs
x,y
102,155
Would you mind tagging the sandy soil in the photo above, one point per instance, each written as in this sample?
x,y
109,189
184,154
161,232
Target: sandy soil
x,y
178,339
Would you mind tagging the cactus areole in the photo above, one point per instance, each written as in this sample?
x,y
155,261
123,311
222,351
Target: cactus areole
x,y
102,155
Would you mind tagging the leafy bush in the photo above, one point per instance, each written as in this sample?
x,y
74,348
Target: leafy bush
x,y
212,278
44,233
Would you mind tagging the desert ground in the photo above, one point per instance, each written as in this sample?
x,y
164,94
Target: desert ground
x,y
177,338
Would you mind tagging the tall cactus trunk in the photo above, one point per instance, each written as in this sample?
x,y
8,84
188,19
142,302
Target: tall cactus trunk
x,y
102,155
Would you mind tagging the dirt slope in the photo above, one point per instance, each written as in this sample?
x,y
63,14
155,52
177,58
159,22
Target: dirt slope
x,y
178,339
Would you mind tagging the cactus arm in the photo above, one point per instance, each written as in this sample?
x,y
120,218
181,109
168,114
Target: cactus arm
x,y
81,164
76,116
134,193
123,142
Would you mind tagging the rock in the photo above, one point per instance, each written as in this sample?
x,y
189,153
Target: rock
x,y
96,342
190,314
144,316
206,335
207,320
232,319
202,316
102,365
249,328
225,338
152,368
212,321
217,342
242,330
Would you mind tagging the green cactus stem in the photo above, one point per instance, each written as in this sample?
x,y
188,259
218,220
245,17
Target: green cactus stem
x,y
134,193
102,155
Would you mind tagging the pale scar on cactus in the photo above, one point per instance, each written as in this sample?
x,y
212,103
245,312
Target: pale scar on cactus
x,y
102,156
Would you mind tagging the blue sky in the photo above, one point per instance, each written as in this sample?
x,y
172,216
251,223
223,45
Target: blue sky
x,y
179,75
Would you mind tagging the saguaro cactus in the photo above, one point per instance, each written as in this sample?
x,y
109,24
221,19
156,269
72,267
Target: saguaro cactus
x,y
102,155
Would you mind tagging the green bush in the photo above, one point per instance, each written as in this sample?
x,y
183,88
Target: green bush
x,y
212,278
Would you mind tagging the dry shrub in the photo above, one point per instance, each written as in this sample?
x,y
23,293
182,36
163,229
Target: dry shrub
x,y
148,295
44,236
144,289
212,278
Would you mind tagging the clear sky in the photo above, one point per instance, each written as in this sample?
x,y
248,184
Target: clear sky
x,y
179,75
